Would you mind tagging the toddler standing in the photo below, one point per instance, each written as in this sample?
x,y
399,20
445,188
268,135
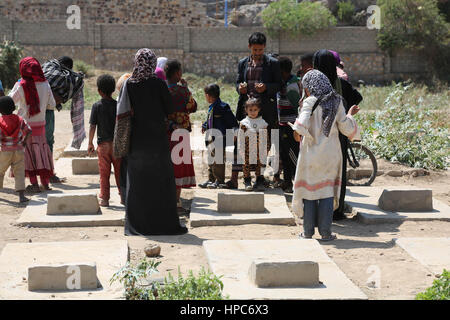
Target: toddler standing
x,y
14,132
250,127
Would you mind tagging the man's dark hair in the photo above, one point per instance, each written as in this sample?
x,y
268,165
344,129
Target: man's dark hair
x,y
307,58
285,64
257,38
172,67
213,90
7,105
253,102
66,61
106,84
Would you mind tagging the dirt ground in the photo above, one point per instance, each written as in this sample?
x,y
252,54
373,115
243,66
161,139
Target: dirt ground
x,y
358,248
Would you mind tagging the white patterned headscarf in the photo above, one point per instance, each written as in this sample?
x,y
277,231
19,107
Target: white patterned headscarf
x,y
161,62
320,87
144,65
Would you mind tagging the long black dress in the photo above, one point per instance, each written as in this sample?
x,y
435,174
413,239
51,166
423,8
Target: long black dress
x,y
352,97
151,205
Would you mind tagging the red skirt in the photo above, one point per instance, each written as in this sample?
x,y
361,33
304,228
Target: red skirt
x,y
183,168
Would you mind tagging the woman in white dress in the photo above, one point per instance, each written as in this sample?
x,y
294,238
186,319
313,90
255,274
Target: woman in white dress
x,y
319,167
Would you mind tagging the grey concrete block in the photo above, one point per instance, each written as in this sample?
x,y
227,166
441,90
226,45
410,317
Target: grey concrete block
x,y
266,273
242,202
416,200
73,204
85,166
63,277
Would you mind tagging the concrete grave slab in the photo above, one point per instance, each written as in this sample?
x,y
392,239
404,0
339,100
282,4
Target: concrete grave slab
x,y
233,258
85,166
85,203
364,203
236,202
433,253
82,152
406,200
204,210
62,277
63,168
15,259
284,273
35,215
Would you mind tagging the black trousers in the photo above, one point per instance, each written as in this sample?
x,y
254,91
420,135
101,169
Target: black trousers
x,y
344,145
289,150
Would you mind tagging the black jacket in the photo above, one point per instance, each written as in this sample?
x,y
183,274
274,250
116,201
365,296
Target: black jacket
x,y
223,117
271,77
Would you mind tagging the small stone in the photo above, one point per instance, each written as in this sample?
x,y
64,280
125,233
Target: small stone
x,y
29,240
115,230
152,251
381,254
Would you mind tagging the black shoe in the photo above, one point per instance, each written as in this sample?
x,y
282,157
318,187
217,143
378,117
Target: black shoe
x,y
248,184
339,216
230,185
205,185
287,187
260,184
214,185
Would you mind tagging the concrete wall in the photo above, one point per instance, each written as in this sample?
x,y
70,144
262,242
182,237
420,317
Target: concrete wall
x,y
211,51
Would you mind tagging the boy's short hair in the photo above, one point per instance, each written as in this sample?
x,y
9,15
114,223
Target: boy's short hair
x,y
172,67
257,38
253,102
66,61
7,105
285,64
106,84
213,90
307,58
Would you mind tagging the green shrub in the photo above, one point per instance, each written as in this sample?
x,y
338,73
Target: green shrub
x,y
133,278
204,286
417,25
10,56
345,11
440,289
415,133
305,18
83,67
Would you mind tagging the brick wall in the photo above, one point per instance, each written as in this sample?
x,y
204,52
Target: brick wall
x,y
205,51
184,12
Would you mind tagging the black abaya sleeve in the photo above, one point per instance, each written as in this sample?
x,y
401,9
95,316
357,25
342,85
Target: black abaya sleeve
x,y
350,94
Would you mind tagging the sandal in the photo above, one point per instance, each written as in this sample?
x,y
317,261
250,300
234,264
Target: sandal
x,y
104,203
33,189
47,188
330,238
302,236
55,179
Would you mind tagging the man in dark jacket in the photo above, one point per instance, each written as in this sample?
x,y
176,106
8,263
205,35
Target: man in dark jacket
x,y
259,76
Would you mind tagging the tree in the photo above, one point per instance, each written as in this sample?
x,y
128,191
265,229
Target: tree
x,y
305,18
417,25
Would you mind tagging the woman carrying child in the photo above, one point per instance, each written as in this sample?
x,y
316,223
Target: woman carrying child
x,y
32,95
319,169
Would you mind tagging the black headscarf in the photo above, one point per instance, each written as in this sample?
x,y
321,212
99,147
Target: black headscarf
x,y
325,62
